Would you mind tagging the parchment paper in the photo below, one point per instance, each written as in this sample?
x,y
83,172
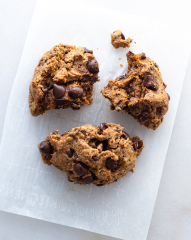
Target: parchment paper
x,y
31,188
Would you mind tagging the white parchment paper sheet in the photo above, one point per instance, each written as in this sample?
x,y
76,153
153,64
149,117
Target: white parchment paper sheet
x,y
31,188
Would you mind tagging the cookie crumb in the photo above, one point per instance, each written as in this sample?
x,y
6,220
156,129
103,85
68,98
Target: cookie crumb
x,y
121,64
118,40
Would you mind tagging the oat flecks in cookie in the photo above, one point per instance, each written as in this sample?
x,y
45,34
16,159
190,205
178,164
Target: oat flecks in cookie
x,y
118,40
63,78
140,92
88,154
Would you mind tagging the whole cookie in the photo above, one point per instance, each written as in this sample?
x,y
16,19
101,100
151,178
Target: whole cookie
x,y
140,92
88,154
118,40
63,78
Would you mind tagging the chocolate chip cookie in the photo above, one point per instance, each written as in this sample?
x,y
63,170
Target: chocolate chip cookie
x,y
118,40
88,154
63,78
140,92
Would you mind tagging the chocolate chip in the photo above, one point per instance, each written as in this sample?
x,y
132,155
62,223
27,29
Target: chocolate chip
x,y
95,158
70,180
125,135
77,178
123,106
99,185
168,97
46,148
45,89
87,180
67,51
103,126
88,51
80,168
58,91
150,82
130,90
122,36
122,77
145,114
137,145
140,143
156,65
69,153
93,66
61,101
83,132
143,57
111,164
55,133
104,145
76,92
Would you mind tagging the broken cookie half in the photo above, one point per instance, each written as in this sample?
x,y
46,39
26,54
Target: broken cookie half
x,y
118,40
140,92
63,78
88,154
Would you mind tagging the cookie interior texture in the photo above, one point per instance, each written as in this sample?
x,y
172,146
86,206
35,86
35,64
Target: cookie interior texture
x,y
140,92
63,78
118,40
88,154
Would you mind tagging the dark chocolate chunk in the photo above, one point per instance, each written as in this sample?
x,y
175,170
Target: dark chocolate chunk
x,y
87,180
111,164
137,145
104,145
150,82
45,148
125,135
45,89
103,126
70,180
93,66
130,90
58,91
124,106
88,51
122,77
76,92
55,133
145,114
83,132
80,168
100,185
61,101
95,158
156,65
69,153
122,36
143,57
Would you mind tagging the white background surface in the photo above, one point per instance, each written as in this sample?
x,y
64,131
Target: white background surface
x,y
172,215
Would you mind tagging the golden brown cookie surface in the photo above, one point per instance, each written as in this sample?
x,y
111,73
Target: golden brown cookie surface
x,y
88,154
63,78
